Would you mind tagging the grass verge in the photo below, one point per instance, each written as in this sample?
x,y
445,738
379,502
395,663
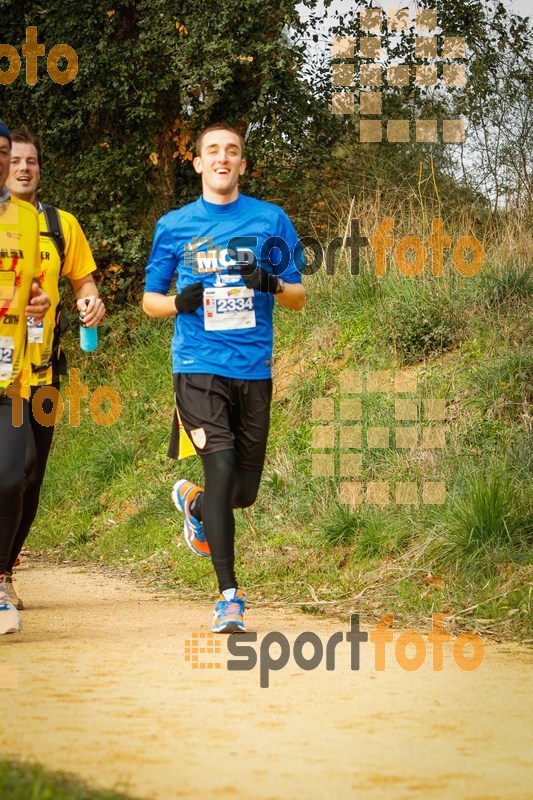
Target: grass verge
x,y
20,781
106,496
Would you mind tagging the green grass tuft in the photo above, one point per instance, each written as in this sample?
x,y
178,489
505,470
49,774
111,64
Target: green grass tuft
x,y
421,317
31,782
503,387
341,526
490,520
510,284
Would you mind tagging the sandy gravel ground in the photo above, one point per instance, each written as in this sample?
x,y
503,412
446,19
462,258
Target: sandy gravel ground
x,y
105,692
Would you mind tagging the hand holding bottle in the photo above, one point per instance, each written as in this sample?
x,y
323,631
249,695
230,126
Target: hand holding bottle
x,y
89,317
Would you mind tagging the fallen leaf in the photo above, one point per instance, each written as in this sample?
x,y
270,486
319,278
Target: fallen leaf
x,y
434,580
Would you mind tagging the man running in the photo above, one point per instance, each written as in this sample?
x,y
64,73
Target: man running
x,y
65,252
228,252
20,268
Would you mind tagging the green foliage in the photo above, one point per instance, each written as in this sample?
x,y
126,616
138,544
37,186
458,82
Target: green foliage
x,y
370,534
421,318
497,104
503,388
379,536
341,526
30,782
118,148
510,284
118,140
106,495
492,516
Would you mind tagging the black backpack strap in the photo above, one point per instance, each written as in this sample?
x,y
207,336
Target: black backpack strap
x,y
57,360
55,231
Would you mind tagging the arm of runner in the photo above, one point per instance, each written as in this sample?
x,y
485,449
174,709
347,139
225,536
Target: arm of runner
x,y
293,296
160,272
159,305
186,302
86,289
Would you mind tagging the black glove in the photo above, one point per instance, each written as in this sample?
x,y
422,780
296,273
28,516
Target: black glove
x,y
190,298
261,280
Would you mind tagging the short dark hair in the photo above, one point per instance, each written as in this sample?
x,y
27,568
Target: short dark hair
x,y
4,131
25,136
218,126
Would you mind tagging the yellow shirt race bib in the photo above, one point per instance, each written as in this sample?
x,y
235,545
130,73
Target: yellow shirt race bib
x,y
19,265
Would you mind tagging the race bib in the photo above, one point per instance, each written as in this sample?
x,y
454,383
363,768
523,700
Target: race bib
x,y
35,332
7,348
228,308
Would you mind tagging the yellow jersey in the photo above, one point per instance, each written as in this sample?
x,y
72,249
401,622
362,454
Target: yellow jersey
x,y
20,264
43,346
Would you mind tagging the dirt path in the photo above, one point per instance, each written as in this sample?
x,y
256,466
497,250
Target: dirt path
x,y
104,691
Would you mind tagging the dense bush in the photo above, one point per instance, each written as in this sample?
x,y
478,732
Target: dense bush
x,y
421,319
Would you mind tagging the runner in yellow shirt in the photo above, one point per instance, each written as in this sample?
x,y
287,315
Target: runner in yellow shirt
x,y
19,289
64,252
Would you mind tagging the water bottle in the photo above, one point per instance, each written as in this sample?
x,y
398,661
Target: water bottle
x,y
88,336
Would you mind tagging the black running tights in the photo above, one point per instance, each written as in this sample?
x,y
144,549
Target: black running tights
x,y
42,435
227,486
17,456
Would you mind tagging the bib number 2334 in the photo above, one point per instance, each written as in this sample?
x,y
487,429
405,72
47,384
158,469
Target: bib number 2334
x,y
229,308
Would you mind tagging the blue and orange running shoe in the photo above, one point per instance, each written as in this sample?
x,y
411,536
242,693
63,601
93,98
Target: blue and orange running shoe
x,y
183,494
229,612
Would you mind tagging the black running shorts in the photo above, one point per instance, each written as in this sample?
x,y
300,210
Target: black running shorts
x,y
224,414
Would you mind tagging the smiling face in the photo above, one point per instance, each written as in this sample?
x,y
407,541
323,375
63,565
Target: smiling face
x,y
5,158
25,173
220,163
